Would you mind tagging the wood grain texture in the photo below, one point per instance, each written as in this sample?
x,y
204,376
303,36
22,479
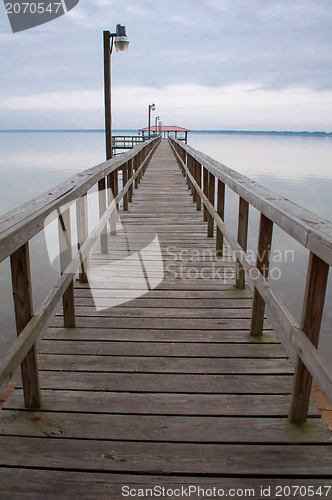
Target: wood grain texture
x,y
168,383
22,294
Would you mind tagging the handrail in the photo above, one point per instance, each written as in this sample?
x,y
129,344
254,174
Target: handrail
x,y
310,230
23,223
30,325
201,172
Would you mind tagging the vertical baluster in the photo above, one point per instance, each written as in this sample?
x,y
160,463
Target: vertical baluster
x,y
136,165
189,164
221,213
194,174
130,174
102,208
187,177
22,293
242,236
199,182
111,195
82,233
125,180
65,259
205,191
211,195
313,305
262,263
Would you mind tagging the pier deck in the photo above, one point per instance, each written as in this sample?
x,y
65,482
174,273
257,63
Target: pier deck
x,y
166,389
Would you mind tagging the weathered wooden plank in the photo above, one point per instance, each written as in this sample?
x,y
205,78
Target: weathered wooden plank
x,y
170,312
184,296
315,460
156,382
178,349
141,364
155,303
160,335
24,484
155,323
271,405
189,429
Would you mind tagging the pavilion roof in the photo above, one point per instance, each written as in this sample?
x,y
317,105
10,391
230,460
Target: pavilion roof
x,y
164,128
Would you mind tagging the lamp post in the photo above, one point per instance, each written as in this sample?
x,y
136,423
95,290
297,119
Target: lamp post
x,y
152,107
156,129
121,42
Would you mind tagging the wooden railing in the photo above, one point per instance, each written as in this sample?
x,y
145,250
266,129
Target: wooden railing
x,y
126,141
19,226
312,232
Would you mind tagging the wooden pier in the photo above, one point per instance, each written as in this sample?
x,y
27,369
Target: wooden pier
x,y
185,384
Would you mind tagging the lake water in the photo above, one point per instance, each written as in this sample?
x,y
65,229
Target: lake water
x,y
298,167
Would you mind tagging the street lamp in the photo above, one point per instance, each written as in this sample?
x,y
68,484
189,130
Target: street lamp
x,y
157,118
121,42
152,107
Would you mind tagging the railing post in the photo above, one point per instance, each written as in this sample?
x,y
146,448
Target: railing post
x,y
212,187
21,282
130,174
136,166
242,236
313,305
262,264
124,181
205,191
198,177
189,163
111,189
221,213
65,259
102,208
82,233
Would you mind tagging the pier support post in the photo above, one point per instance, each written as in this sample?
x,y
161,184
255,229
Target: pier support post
x,y
65,243
312,312
198,177
82,233
124,181
102,208
130,174
211,195
262,264
242,236
205,191
221,213
22,293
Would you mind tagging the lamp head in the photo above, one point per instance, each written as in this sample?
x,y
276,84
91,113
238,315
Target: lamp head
x,y
121,41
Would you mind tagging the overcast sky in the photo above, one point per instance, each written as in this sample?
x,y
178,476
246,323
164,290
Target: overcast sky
x,y
210,64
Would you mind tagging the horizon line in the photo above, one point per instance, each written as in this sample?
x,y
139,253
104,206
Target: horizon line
x,y
225,131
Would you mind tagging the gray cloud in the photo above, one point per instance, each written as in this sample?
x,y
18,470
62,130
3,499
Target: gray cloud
x,y
212,43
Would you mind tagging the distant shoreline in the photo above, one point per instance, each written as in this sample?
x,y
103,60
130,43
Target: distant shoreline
x,y
242,132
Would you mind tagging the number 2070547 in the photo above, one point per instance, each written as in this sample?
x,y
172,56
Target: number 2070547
x,y
33,8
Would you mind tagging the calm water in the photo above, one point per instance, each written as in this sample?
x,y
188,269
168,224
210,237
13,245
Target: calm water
x,y
299,168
